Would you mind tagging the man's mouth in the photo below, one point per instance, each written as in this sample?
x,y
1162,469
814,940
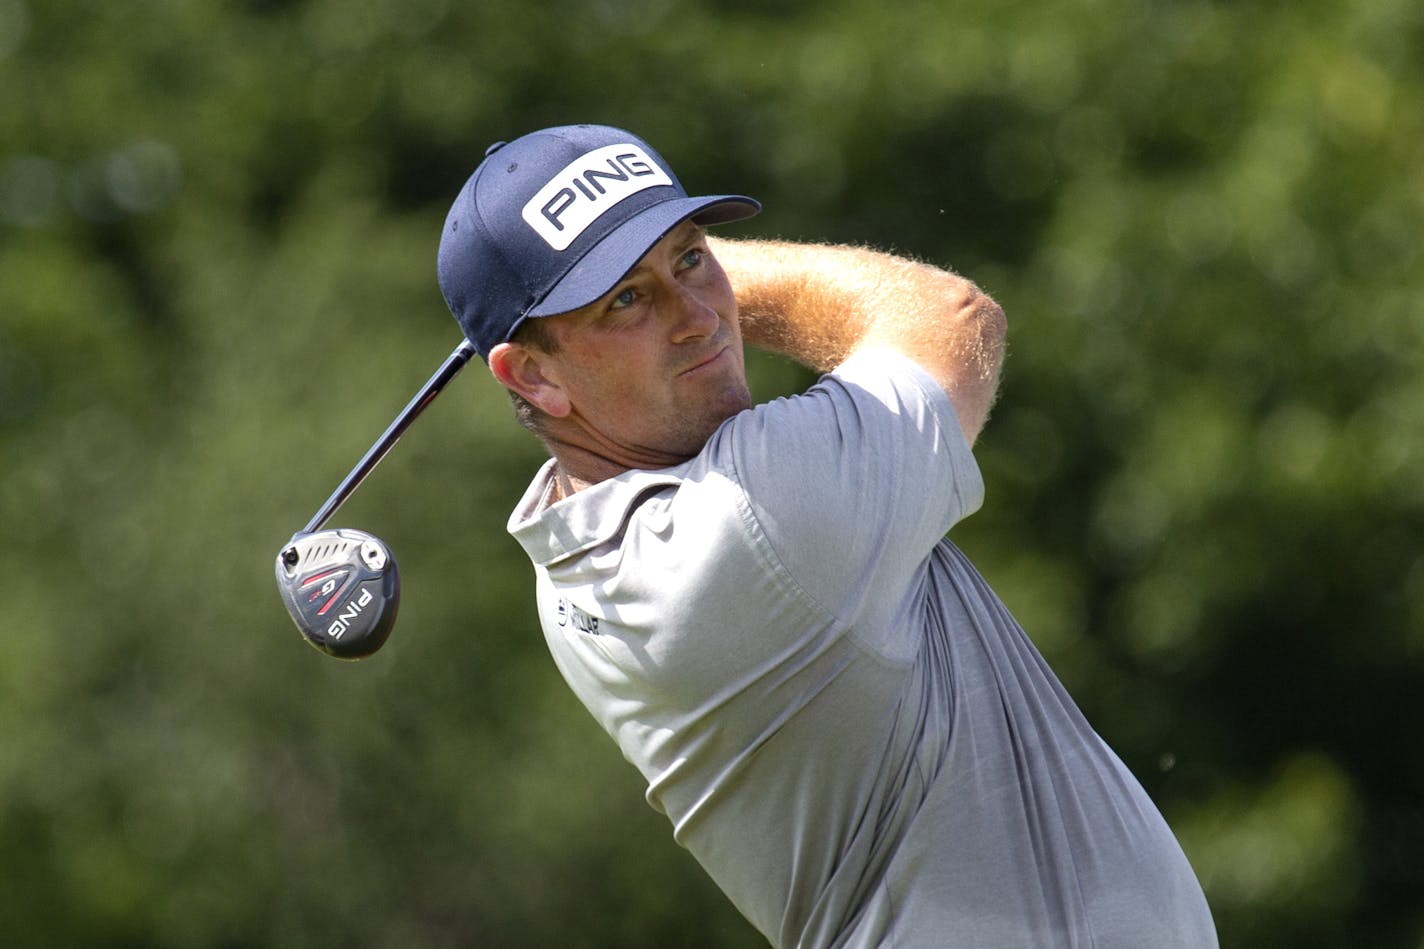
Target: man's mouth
x,y
705,362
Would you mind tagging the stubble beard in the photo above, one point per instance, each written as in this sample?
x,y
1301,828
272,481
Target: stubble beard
x,y
691,436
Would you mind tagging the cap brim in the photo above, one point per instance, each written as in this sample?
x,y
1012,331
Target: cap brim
x,y
608,261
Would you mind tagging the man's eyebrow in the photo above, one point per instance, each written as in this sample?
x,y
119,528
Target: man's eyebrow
x,y
638,268
692,229
688,232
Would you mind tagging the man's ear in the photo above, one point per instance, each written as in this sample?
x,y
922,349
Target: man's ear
x,y
520,369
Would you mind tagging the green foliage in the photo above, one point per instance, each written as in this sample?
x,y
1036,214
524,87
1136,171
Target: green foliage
x,y
217,235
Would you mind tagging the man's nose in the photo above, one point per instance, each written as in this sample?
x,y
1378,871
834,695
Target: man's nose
x,y
692,317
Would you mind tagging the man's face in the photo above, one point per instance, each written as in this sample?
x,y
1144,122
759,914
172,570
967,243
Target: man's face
x,y
650,370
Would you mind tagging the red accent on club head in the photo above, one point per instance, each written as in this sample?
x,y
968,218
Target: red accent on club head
x,y
317,577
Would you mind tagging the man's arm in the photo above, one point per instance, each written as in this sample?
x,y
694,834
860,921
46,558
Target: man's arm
x,y
818,303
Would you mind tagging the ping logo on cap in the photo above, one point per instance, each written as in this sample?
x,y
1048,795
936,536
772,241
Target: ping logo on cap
x,y
587,187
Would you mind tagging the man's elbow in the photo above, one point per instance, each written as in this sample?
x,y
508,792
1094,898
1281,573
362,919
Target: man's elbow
x,y
975,351
989,331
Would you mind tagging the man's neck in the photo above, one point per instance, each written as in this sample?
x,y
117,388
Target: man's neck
x,y
565,484
578,467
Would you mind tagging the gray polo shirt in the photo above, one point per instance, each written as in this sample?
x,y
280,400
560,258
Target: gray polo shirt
x,y
841,720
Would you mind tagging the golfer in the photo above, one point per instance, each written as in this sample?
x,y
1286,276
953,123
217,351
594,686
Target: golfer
x,y
839,717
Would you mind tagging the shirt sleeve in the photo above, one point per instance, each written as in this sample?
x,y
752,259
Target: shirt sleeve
x,y
855,481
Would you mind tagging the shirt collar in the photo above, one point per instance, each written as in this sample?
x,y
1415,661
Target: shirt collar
x,y
552,532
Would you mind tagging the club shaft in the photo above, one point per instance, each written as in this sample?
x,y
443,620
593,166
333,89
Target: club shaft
x,y
422,399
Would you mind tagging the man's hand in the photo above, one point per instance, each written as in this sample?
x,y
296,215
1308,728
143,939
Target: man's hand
x,y
819,303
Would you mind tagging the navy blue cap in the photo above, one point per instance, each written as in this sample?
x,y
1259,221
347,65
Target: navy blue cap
x,y
552,221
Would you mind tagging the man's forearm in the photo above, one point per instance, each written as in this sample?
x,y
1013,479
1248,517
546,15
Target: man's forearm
x,y
807,301
819,303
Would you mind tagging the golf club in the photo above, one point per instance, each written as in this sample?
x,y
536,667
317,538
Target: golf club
x,y
341,585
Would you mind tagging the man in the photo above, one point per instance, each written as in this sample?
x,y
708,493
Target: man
x,y
841,720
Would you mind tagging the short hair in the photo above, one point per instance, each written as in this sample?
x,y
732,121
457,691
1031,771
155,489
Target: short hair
x,y
534,334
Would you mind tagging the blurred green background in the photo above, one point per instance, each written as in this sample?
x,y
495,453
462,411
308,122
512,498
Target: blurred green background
x,y
218,224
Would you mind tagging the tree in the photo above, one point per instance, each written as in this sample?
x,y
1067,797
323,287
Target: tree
x,y
217,235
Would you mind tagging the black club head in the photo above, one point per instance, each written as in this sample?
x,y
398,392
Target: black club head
x,y
342,589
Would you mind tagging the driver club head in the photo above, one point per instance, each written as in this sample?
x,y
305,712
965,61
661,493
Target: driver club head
x,y
342,589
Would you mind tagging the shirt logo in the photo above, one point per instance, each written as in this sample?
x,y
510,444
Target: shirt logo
x,y
568,614
588,186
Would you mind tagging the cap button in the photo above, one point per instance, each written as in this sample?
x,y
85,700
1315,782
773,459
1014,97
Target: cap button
x,y
494,148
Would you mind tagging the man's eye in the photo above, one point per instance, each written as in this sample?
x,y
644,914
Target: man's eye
x,y
623,299
691,259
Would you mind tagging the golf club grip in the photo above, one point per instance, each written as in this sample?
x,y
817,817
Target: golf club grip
x,y
447,371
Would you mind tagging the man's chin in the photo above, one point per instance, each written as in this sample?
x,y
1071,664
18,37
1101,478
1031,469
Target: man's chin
x,y
694,435
736,397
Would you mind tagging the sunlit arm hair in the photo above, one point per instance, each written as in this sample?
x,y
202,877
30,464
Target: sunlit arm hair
x,y
818,303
